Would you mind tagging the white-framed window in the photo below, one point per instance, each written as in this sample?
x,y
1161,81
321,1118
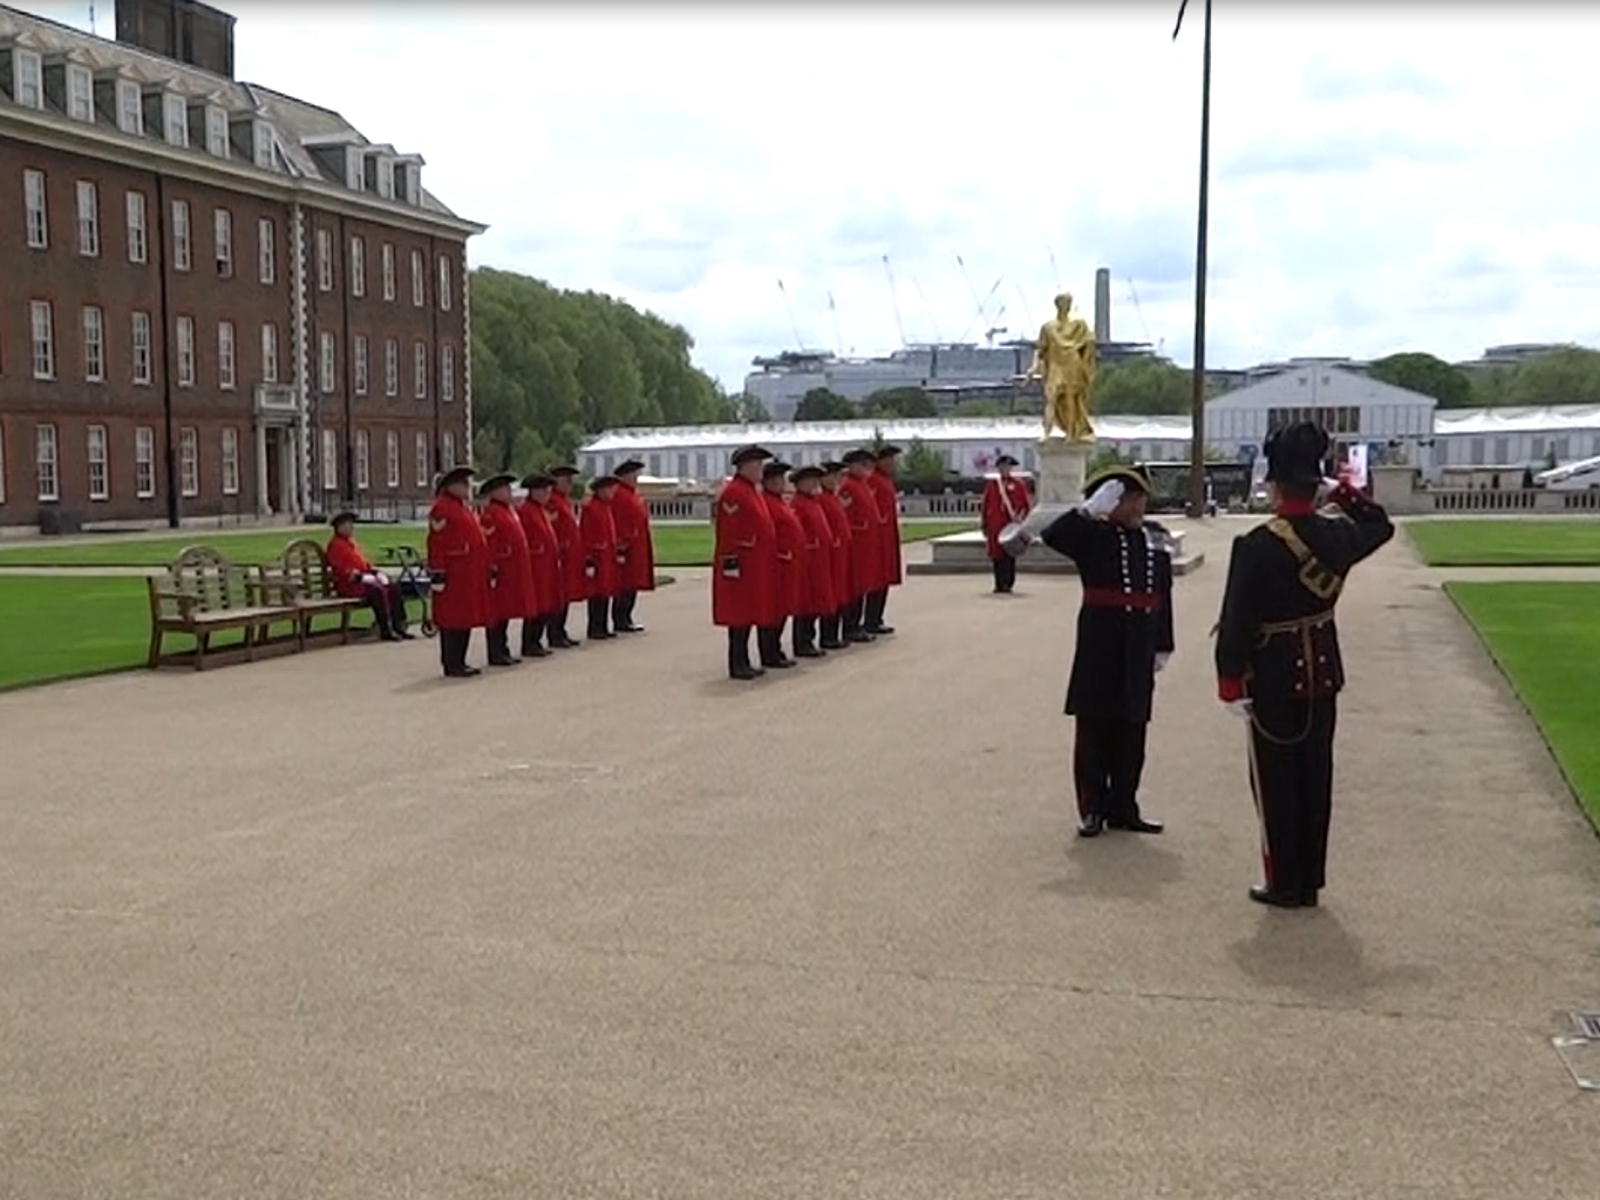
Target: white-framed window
x,y
330,460
328,375
28,75
175,120
185,352
33,194
222,223
230,462
423,464
138,228
420,370
189,461
45,462
88,219
444,283
358,266
227,369
419,281
359,350
217,132
263,140
42,320
269,353
391,367
267,249
144,462
130,107
182,249
388,268
447,373
99,470
80,92
141,347
324,260
94,344
363,466
391,459
447,449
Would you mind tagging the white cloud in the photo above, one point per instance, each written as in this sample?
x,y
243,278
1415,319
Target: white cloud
x,y
1383,177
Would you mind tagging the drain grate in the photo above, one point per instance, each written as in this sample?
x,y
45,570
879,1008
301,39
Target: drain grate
x,y
1581,1057
1587,1024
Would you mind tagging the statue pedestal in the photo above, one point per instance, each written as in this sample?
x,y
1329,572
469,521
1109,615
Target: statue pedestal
x,y
1063,466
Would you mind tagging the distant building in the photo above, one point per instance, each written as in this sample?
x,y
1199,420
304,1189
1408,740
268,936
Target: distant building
x,y
1513,354
216,299
1352,407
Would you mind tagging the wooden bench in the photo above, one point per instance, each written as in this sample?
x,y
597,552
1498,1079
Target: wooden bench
x,y
300,579
202,593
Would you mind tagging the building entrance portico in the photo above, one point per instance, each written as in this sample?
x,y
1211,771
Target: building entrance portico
x,y
277,451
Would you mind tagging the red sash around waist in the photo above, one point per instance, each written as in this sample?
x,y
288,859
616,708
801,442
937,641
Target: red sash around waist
x,y
1106,597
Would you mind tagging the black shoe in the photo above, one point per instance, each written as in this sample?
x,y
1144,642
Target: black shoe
x,y
405,635
388,635
834,645
536,652
564,643
1308,899
461,672
810,652
1265,895
1091,825
743,673
861,637
881,630
509,660
1137,825
600,635
630,628
777,664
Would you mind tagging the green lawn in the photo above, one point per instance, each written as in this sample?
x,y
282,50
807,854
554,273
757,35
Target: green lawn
x,y
676,545
1546,638
1512,542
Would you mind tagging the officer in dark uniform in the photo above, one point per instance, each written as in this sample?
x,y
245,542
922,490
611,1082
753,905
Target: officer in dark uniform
x,y
1125,636
1278,662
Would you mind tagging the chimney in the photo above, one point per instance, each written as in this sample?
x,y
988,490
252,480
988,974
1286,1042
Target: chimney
x,y
183,30
1102,305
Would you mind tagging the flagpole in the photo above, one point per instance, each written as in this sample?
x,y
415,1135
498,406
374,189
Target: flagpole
x,y
1197,461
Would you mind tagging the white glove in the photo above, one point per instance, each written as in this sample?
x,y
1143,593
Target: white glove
x,y
1106,497
370,580
1161,659
1240,708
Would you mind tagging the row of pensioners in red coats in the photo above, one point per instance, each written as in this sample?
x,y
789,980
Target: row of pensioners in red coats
x,y
529,562
823,554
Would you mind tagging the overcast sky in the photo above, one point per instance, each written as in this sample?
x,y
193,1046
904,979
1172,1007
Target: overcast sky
x,y
1384,177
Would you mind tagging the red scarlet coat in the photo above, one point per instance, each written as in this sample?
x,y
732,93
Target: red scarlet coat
x,y
634,546
791,544
866,534
544,554
816,558
565,523
996,514
513,593
889,514
597,547
458,549
346,565
744,574
839,522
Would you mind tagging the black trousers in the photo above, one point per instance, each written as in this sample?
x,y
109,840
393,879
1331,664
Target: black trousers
x,y
1107,763
622,609
1291,775
805,634
388,607
851,617
599,611
1005,573
453,646
831,629
738,648
533,631
557,625
769,643
872,617
498,636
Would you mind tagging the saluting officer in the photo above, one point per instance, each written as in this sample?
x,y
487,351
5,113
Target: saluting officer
x,y
1124,637
1278,660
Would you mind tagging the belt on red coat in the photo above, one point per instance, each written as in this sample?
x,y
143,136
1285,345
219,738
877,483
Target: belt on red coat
x,y
1106,597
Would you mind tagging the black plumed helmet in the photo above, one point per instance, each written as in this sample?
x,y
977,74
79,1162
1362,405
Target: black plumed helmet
x,y
1295,453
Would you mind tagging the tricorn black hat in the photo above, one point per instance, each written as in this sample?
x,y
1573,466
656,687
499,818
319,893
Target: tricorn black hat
x,y
496,481
537,480
632,467
340,518
1295,453
887,450
746,454
564,469
1005,460
1130,476
832,468
775,467
602,481
453,475
858,456
805,473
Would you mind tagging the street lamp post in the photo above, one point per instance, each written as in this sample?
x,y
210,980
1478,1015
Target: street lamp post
x,y
1197,456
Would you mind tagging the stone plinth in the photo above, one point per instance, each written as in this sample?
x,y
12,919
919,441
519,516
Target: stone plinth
x,y
968,554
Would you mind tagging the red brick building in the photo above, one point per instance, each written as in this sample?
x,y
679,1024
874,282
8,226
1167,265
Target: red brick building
x,y
217,300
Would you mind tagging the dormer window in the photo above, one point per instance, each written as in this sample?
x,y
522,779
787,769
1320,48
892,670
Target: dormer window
x,y
27,78
355,168
130,107
263,145
175,120
216,132
380,176
80,92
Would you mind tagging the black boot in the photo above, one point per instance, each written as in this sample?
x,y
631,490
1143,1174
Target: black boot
x,y
769,642
560,639
739,665
622,613
599,615
453,646
533,637
832,631
500,645
805,638
872,620
854,620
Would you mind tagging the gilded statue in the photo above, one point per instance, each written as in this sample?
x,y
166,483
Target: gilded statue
x,y
1066,358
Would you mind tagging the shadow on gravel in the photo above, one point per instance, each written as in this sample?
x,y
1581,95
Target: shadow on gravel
x,y
1118,866
1309,951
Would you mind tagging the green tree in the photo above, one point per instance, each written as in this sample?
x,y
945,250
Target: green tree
x,y
1569,376
1419,372
896,402
743,409
1491,386
821,404
1143,386
922,463
1110,456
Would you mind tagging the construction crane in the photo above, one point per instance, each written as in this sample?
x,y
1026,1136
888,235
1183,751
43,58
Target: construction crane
x,y
1134,293
1026,307
988,334
927,308
894,295
838,338
799,342
979,306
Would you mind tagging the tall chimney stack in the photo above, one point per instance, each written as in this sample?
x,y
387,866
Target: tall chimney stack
x,y
1102,305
